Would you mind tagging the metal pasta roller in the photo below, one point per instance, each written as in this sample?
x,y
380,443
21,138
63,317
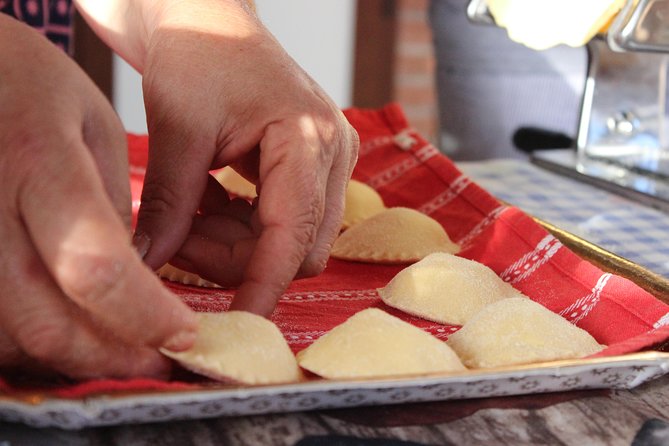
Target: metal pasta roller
x,y
623,134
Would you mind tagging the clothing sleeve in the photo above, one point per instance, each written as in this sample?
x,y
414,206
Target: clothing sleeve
x,y
53,18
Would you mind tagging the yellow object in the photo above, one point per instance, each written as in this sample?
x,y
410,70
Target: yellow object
x,y
445,288
519,331
174,274
235,183
362,202
395,235
239,347
542,24
372,343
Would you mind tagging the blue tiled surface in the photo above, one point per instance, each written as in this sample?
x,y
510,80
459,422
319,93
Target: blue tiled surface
x,y
636,232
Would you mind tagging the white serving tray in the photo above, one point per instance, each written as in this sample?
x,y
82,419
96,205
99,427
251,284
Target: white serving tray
x,y
619,372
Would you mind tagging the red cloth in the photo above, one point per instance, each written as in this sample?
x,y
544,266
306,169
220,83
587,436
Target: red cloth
x,y
408,171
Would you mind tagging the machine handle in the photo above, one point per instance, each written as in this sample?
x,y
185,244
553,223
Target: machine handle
x,y
529,139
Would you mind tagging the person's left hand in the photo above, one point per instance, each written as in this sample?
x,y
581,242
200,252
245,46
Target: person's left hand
x,y
219,90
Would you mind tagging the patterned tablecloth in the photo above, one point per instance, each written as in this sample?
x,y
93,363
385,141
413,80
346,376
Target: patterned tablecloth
x,y
631,230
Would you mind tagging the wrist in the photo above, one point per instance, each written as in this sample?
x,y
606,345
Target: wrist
x,y
230,18
128,26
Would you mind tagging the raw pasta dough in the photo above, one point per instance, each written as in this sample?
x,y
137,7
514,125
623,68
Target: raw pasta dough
x,y
362,202
445,288
519,331
396,235
235,183
175,274
372,343
237,346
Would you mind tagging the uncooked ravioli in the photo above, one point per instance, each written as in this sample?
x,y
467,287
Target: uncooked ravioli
x,y
362,202
241,347
174,274
445,288
395,235
372,343
235,183
519,331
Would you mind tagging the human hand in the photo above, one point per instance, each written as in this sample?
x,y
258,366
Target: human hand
x,y
75,296
219,90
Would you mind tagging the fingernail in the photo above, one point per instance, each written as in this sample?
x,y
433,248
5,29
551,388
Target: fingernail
x,y
142,243
181,341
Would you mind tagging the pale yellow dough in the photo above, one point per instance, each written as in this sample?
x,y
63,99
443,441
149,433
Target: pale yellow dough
x,y
174,274
235,183
372,343
395,235
237,346
362,202
519,331
542,24
445,288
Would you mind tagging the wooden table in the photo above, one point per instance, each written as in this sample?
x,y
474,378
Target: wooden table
x,y
596,417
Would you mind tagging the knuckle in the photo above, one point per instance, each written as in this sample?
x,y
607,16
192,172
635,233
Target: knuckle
x,y
304,233
28,149
46,340
26,144
36,137
91,279
157,199
306,226
26,139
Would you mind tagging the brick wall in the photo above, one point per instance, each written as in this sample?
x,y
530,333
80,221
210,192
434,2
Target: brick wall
x,y
394,60
414,66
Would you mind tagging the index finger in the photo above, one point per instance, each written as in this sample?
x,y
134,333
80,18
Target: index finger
x,y
290,210
86,248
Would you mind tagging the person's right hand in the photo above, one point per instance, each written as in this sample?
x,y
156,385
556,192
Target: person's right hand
x,y
75,296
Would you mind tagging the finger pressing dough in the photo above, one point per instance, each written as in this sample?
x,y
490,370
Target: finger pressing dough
x,y
519,331
396,235
372,343
240,347
362,202
235,183
445,288
175,274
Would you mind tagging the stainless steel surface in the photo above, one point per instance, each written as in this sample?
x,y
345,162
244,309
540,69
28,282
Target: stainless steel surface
x,y
623,140
641,27
477,12
604,173
624,112
623,136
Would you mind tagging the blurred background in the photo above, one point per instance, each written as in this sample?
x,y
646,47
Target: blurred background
x,y
321,36
466,88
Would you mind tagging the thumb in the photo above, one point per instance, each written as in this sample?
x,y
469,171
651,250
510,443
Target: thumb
x,y
176,176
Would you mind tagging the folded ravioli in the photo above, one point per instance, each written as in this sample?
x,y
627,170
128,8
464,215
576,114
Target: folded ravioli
x,y
519,331
395,235
239,347
445,288
372,343
174,274
362,202
235,183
